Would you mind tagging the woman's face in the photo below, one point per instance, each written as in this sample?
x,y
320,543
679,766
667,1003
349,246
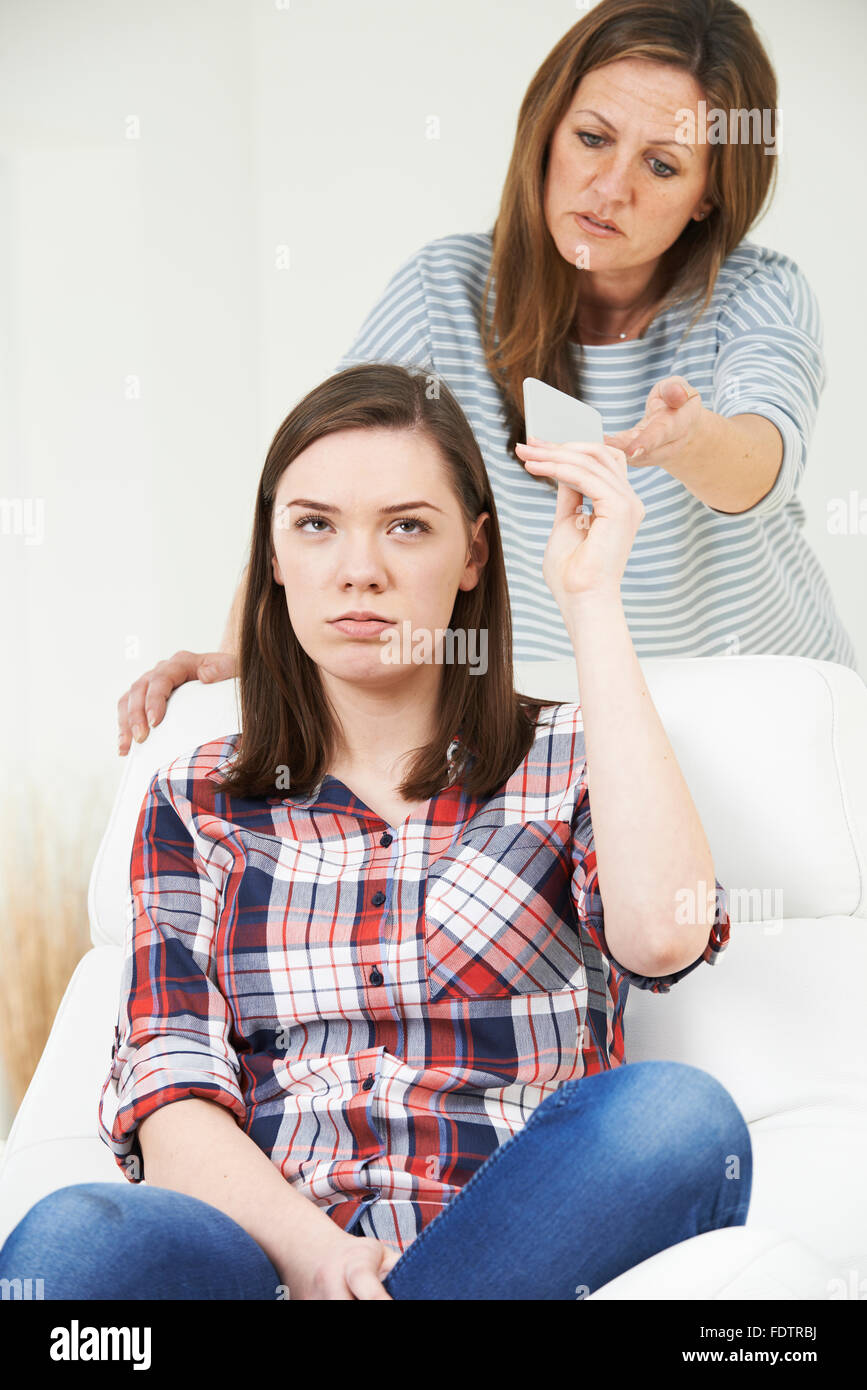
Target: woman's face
x,y
365,520
616,165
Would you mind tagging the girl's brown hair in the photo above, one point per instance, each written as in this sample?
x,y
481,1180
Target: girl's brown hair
x,y
537,292
286,718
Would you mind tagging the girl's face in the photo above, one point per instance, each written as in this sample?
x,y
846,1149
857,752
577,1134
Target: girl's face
x,y
609,157
365,521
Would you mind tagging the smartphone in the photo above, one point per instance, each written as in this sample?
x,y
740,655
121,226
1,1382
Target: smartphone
x,y
558,417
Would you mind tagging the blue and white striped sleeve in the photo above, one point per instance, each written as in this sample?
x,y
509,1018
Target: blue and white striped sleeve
x,y
397,328
770,362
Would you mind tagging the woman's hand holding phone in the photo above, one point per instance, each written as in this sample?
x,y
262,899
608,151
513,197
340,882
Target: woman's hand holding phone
x,y
586,554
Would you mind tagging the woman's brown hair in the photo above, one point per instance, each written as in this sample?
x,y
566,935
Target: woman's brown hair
x,y
286,718
537,292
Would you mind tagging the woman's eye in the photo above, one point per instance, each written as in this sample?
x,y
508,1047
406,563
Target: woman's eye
x,y
413,521
586,135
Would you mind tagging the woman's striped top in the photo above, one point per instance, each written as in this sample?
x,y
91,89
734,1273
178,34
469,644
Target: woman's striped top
x,y
698,582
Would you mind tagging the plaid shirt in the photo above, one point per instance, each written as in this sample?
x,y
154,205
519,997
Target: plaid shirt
x,y
380,1007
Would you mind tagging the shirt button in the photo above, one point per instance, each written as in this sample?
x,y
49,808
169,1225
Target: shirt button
x,y
368,1082
386,839
378,899
376,977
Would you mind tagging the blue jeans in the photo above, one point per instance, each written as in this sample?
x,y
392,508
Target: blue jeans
x,y
608,1170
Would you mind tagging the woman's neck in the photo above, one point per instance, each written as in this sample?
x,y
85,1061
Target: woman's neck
x,y
618,314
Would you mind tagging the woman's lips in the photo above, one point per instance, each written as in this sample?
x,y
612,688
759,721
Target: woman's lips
x,y
361,627
592,228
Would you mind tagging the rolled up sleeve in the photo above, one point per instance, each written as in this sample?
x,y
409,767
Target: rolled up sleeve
x,y
173,1035
770,362
587,902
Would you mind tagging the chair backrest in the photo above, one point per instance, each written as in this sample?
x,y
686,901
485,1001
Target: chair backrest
x,y
773,749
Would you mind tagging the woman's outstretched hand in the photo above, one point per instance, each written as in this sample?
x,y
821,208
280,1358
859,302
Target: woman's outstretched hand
x,y
672,416
144,704
586,554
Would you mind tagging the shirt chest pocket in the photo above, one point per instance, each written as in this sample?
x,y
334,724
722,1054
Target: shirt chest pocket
x,y
498,918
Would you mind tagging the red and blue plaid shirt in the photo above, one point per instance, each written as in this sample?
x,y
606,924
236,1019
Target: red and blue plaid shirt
x,y
380,1007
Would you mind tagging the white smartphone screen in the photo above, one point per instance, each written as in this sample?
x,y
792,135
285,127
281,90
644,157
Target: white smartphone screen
x,y
556,416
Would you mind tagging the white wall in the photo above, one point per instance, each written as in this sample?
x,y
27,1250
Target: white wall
x,y
150,345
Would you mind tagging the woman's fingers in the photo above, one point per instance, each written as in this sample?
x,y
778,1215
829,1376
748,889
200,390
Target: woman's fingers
x,y
124,732
148,704
675,391
144,704
131,717
217,666
662,423
621,439
673,407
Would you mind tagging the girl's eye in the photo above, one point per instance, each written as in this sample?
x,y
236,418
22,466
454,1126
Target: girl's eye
x,y
403,521
586,135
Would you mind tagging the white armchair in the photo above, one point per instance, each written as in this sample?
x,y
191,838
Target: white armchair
x,y
774,750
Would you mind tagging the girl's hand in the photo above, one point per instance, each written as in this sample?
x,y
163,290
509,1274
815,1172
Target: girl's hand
x,y
341,1267
586,554
671,418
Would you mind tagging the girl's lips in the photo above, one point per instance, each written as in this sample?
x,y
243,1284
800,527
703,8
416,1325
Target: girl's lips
x,y
361,627
592,228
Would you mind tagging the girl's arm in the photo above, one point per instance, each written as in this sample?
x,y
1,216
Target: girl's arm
x,y
653,862
652,855
197,1147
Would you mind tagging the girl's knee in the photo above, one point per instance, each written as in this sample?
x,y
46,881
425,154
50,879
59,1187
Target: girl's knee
x,y
682,1105
69,1210
693,1091
700,1121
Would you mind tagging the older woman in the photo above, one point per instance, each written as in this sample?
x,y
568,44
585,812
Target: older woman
x,y
619,270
